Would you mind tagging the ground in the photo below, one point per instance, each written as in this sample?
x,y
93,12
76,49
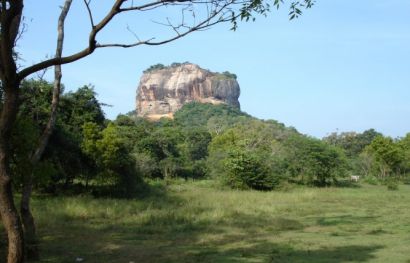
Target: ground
x,y
198,222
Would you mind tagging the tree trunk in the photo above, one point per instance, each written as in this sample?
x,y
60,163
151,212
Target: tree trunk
x,y
10,220
30,237
8,212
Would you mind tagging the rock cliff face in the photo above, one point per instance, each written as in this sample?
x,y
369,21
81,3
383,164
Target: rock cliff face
x,y
161,92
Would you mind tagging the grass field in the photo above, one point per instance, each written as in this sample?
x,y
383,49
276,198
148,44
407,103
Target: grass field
x,y
196,222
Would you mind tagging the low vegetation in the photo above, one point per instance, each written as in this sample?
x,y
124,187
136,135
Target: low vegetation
x,y
198,221
159,66
226,75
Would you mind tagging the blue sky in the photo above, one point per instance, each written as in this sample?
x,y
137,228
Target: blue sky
x,y
343,66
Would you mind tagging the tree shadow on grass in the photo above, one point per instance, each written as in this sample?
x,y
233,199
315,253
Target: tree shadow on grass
x,y
347,184
171,237
344,219
325,255
265,251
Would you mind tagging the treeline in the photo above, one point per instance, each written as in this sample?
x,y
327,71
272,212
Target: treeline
x,y
89,153
374,156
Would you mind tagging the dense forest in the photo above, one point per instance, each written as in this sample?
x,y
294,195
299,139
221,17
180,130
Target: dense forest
x,y
88,153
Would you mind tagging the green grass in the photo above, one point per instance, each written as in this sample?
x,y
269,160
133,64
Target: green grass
x,y
197,222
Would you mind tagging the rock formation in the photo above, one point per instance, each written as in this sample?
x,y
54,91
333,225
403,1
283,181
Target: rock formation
x,y
163,91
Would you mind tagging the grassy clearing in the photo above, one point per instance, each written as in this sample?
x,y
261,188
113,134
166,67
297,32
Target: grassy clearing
x,y
196,222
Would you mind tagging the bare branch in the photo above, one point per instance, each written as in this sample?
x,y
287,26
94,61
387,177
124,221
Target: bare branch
x,y
199,27
217,11
40,74
125,45
56,89
149,6
133,33
90,14
115,9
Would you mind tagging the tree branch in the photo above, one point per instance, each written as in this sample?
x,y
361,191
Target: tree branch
x,y
243,11
56,89
115,9
90,14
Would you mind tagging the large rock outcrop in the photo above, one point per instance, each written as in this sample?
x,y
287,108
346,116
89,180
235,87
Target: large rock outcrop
x,y
163,91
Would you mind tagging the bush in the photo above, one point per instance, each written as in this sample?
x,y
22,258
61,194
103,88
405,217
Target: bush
x,y
311,161
406,179
371,180
246,170
229,75
154,67
392,185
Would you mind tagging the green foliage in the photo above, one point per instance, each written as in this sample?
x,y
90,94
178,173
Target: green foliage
x,y
244,170
155,67
375,156
65,149
392,185
35,99
35,96
353,143
312,161
371,180
387,156
372,154
24,139
203,140
404,145
249,9
91,134
80,107
177,64
80,150
160,66
226,75
196,143
199,114
286,154
109,150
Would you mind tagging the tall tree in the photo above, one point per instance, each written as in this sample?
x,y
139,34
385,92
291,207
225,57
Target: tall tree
x,y
11,13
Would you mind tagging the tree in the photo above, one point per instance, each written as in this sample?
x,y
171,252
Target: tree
x,y
11,14
245,169
353,143
63,156
404,144
312,161
387,155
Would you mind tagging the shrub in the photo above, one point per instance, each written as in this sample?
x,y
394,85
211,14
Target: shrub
x,y
229,75
244,170
371,180
311,161
392,185
154,67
